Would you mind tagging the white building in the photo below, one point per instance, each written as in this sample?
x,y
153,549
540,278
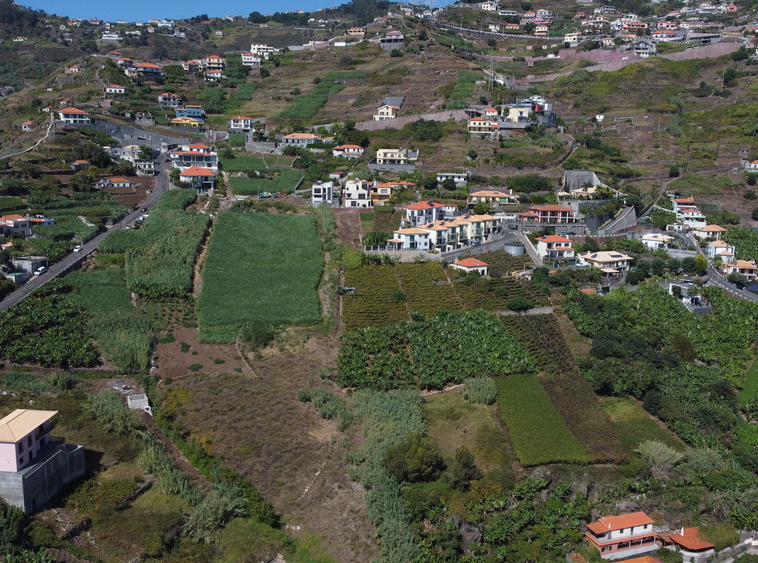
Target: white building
x,y
348,151
357,193
721,250
656,241
262,50
555,247
322,193
411,238
74,116
610,262
251,60
423,212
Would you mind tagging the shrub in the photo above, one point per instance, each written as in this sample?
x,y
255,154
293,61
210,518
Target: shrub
x,y
216,509
417,458
519,303
659,456
480,390
463,470
111,411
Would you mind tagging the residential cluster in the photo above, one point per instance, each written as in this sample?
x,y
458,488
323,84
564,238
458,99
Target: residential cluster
x,y
513,118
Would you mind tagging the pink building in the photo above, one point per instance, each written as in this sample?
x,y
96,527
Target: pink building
x,y
619,537
22,434
553,214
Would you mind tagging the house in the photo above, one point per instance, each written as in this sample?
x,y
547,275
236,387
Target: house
x,y
459,178
392,40
80,165
553,213
752,166
386,112
213,75
656,241
644,48
251,60
618,537
682,203
357,193
721,250
423,212
115,182
555,248
541,30
192,66
125,62
411,238
115,89
482,126
396,156
240,124
74,116
382,192
300,139
458,232
188,122
609,262
491,113
469,265
745,268
262,50
322,193
493,197
74,69
147,71
214,62
356,31
195,112
194,155
33,468
580,183
692,218
687,541
169,100
111,36
348,151
27,126
201,179
15,224
490,6
709,231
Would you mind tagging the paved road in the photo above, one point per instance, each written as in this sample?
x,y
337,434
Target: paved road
x,y
161,185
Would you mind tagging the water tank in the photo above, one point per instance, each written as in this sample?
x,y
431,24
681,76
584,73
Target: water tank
x,y
514,248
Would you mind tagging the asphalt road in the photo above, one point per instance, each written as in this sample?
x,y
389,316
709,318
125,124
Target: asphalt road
x,y
161,185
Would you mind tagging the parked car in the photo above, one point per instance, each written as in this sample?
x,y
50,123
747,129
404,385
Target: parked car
x,y
39,271
78,248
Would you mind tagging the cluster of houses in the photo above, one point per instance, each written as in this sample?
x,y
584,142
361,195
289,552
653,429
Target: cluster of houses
x,y
513,117
197,164
722,254
541,18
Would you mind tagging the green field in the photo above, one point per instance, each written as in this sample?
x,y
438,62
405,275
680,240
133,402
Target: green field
x,y
275,180
633,425
260,269
245,162
750,391
538,432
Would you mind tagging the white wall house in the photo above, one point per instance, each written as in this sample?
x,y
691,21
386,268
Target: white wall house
x,y
322,192
555,247
411,238
357,193
656,241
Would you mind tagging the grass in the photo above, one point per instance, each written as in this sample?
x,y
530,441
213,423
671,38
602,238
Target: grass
x,y
305,106
633,425
749,391
245,162
704,184
537,430
276,180
11,203
452,422
260,268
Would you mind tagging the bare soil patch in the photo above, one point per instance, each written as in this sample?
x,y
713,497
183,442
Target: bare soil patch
x,y
349,227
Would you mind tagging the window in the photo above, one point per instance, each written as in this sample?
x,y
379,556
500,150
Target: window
x,y
19,447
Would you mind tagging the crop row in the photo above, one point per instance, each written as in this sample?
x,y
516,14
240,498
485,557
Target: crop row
x,y
373,304
449,347
427,288
571,394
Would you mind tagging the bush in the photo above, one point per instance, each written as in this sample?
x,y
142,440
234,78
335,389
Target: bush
x,y
480,390
519,303
463,470
416,458
111,411
216,509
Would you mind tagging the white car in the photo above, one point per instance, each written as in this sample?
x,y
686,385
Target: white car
x,y
78,248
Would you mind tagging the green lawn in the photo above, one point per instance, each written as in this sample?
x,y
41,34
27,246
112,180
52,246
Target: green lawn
x,y
277,180
260,268
633,425
539,434
750,391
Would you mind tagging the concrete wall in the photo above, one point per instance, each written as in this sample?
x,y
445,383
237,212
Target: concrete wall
x,y
32,487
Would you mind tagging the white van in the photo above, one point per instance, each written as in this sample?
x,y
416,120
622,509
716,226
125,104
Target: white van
x,y
39,271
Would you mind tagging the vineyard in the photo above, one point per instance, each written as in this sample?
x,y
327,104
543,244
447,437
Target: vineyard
x,y
571,394
386,294
160,256
261,268
448,348
500,260
538,431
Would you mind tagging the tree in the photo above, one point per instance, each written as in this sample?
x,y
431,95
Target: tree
x,y
659,456
529,28
472,155
463,469
448,184
519,303
751,179
701,264
145,153
754,213
265,72
482,208
417,458
737,279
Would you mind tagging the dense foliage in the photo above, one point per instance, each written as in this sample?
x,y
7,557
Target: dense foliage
x,y
450,347
47,328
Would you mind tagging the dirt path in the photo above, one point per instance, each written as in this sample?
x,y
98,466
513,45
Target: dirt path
x,y
197,278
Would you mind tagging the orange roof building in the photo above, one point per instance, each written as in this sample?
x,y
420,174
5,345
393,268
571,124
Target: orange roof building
x,y
689,540
617,537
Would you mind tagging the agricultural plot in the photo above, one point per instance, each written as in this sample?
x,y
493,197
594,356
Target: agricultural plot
x,y
633,425
448,348
247,162
386,218
504,262
260,269
160,256
537,430
79,219
373,303
272,180
124,334
427,288
305,106
571,394
493,293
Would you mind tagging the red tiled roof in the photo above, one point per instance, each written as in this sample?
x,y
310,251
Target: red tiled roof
x,y
589,291
471,263
149,65
196,171
14,217
689,539
198,146
554,238
343,147
73,111
551,208
609,523
425,205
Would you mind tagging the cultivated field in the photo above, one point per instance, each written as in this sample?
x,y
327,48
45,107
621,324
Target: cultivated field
x,y
260,268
